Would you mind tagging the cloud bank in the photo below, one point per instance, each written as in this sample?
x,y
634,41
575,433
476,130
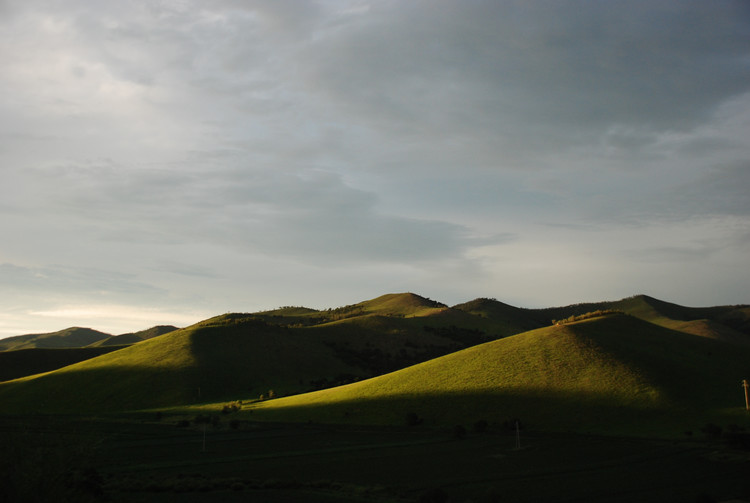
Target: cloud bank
x,y
177,159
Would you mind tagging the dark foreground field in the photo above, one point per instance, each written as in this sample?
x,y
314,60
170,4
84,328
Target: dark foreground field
x,y
46,459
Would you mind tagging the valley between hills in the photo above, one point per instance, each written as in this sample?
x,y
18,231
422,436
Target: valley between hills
x,y
408,371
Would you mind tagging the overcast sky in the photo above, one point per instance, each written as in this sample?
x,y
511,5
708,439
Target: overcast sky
x,y
166,161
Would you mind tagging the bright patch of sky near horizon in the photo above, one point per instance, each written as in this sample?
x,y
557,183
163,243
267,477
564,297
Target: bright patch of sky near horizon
x,y
163,162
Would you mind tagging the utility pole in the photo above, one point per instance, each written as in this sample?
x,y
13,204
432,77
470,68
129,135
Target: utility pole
x,y
746,385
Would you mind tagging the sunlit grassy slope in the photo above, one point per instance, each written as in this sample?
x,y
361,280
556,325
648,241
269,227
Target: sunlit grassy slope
x,y
615,373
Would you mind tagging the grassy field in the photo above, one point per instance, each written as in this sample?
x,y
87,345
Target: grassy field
x,y
123,459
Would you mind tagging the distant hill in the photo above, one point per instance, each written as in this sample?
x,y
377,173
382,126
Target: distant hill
x,y
723,318
73,337
507,319
612,373
36,353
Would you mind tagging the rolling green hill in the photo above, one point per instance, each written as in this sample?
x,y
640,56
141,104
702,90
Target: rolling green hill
x,y
613,373
617,366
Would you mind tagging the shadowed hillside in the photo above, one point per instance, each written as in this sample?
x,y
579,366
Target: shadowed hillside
x,y
227,357
25,362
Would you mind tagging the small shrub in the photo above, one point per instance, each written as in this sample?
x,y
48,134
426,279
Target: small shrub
x,y
231,407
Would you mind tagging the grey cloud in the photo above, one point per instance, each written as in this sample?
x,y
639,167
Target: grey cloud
x,y
520,72
375,142
319,218
312,215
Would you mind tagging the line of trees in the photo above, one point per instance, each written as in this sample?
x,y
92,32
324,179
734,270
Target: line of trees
x,y
585,316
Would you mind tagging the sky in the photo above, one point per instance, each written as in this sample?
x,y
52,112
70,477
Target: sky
x,y
162,162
